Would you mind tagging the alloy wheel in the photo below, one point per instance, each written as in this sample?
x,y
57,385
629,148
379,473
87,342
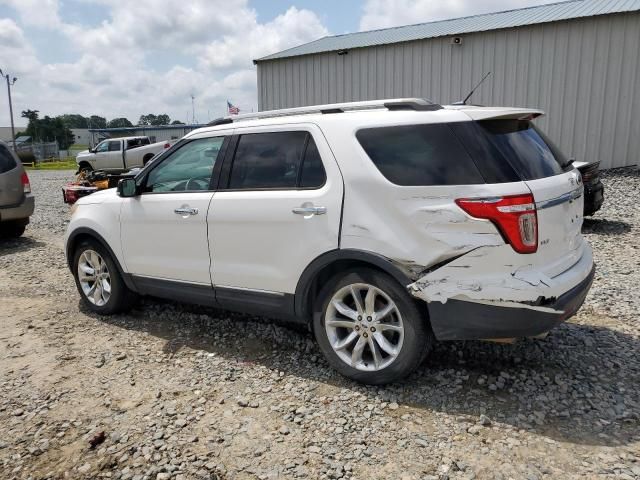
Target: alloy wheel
x,y
94,277
364,327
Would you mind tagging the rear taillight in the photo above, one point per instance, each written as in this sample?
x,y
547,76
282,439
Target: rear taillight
x,y
26,186
515,216
167,145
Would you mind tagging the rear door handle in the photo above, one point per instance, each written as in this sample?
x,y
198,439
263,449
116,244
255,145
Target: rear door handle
x,y
309,210
186,211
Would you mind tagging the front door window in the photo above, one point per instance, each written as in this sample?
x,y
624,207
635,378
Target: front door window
x,y
187,169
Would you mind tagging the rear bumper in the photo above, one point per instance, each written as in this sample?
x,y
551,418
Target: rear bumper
x,y
18,212
465,320
593,197
480,296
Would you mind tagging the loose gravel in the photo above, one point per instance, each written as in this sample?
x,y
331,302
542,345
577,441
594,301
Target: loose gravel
x,y
172,391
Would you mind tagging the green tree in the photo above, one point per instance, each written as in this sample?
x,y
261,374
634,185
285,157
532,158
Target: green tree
x,y
147,119
162,119
31,115
151,119
49,129
119,123
177,122
74,120
97,122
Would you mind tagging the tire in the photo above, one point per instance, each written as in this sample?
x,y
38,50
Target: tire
x,y
12,229
120,299
146,159
406,329
85,168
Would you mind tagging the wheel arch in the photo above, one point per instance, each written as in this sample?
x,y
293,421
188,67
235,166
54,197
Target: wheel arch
x,y
84,233
329,264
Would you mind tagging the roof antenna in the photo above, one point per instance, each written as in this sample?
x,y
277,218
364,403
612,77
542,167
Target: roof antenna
x,y
464,102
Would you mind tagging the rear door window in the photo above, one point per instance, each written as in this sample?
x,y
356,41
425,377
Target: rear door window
x,y
7,162
419,155
313,174
274,160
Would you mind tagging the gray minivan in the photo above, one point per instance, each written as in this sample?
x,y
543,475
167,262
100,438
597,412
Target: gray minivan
x,y
16,201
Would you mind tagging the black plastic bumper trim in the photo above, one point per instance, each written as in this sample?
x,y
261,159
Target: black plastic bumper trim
x,y
466,320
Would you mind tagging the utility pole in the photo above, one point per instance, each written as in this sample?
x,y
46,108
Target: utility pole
x,y
13,128
193,110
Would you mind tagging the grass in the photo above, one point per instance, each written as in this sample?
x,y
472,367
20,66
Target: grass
x,y
78,148
68,163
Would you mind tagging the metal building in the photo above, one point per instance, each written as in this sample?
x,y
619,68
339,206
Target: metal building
x,y
155,133
578,60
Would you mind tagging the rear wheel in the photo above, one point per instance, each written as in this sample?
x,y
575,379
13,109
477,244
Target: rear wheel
x,y
98,280
12,229
369,328
146,159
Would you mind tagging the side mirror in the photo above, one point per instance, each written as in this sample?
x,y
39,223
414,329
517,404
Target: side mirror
x,y
127,187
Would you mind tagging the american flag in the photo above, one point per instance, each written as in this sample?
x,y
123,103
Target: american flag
x,y
232,109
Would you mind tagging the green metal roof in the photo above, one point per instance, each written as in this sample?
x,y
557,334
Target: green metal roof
x,y
553,12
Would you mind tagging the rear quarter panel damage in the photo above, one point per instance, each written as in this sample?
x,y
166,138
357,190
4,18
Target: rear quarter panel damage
x,y
499,281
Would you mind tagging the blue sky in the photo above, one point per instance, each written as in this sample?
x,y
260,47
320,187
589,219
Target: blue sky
x,y
131,57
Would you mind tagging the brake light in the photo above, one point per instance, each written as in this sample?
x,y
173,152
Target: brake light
x,y
167,145
514,215
26,186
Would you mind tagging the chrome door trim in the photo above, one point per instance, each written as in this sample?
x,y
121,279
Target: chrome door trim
x,y
253,290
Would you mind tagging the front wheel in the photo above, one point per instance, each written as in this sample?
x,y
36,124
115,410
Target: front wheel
x,y
369,328
98,280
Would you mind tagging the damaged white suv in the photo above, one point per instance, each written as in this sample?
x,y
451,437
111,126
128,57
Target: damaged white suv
x,y
382,225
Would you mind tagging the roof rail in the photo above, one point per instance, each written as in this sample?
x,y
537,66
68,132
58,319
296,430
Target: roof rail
x,y
418,104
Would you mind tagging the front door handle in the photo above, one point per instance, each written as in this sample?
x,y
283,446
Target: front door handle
x,y
185,211
308,210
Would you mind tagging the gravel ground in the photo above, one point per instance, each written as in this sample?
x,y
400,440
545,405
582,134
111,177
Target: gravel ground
x,y
175,391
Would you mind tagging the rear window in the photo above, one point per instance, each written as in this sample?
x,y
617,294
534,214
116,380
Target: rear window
x,y
422,155
7,161
524,147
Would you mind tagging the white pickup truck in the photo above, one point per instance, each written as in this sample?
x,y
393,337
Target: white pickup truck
x,y
120,154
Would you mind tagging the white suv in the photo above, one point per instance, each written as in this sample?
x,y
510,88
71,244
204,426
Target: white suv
x,y
382,225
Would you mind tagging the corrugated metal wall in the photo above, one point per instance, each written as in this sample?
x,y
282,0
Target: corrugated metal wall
x,y
584,73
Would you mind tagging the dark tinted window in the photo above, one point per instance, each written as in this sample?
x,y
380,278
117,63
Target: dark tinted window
x,y
524,147
267,160
419,155
7,161
137,142
114,146
313,174
493,166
